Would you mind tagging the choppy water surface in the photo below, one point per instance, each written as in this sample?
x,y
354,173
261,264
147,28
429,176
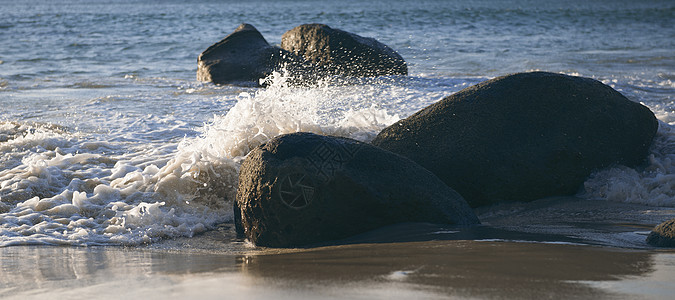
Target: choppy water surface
x,y
107,138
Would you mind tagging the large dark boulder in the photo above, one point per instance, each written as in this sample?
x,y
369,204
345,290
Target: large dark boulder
x,y
244,56
663,235
337,52
523,137
303,188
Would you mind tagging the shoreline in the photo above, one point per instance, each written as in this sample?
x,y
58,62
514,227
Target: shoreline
x,y
523,250
428,270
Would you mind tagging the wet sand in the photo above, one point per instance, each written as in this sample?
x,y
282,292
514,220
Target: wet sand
x,y
412,270
553,248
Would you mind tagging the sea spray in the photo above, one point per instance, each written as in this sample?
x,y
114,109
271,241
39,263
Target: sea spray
x,y
283,108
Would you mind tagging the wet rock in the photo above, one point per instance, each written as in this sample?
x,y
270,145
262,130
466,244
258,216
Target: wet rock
x,y
303,188
337,52
523,137
243,57
663,235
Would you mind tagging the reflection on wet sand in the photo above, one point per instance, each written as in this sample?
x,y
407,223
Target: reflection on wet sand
x,y
452,268
403,261
36,271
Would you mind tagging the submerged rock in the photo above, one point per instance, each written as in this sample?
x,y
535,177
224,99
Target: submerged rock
x,y
523,137
337,52
663,235
303,188
244,56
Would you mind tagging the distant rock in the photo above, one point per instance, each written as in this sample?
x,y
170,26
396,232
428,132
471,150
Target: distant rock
x,y
309,52
302,188
337,52
243,57
523,137
663,235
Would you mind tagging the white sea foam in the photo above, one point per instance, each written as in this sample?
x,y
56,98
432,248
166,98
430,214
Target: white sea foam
x,y
53,193
55,189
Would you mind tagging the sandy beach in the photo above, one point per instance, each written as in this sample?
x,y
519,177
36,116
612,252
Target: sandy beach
x,y
414,270
523,251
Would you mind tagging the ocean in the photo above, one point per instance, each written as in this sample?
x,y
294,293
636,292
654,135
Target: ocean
x,y
108,139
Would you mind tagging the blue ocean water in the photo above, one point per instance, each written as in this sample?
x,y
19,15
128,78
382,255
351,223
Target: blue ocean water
x,y
106,137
